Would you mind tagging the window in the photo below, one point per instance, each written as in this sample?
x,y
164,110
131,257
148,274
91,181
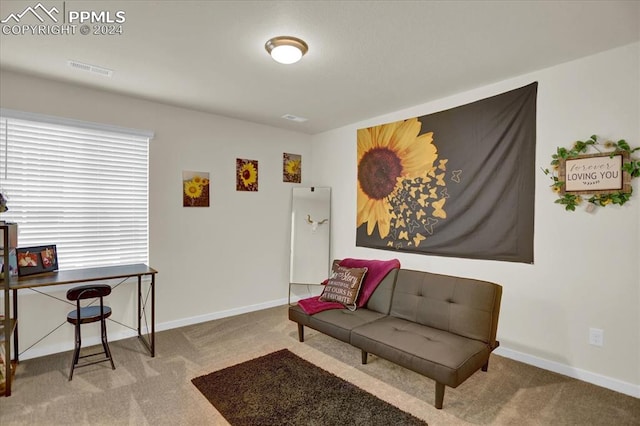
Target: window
x,y
81,186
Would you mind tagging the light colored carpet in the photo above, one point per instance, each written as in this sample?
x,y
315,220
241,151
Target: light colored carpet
x,y
158,391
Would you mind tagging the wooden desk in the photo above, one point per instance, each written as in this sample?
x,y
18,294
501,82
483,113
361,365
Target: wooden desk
x,y
75,276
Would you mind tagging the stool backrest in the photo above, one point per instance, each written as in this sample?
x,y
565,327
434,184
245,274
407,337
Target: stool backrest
x,y
88,291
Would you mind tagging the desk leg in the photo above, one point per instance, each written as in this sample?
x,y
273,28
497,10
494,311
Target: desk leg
x,y
153,315
16,351
151,344
140,307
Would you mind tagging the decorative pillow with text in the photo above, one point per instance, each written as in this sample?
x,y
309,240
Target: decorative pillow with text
x,y
344,286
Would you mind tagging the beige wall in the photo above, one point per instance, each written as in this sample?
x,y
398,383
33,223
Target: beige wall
x,y
586,265
233,256
222,260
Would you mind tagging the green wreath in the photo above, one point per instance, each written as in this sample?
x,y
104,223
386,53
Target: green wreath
x,y
570,201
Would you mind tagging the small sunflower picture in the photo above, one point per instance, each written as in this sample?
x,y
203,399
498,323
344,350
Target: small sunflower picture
x,y
291,168
246,175
195,189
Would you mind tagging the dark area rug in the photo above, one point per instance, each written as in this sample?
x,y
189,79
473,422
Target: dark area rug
x,y
283,389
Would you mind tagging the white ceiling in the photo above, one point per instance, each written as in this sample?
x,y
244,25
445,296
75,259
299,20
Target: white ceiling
x,y
366,58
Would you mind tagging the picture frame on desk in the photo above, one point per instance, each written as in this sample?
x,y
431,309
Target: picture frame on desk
x,y
36,260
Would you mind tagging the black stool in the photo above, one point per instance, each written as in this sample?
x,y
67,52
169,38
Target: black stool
x,y
88,314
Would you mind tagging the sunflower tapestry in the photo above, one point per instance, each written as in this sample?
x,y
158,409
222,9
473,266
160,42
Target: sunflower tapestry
x,y
456,183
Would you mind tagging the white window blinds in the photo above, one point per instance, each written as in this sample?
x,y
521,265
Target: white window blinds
x,y
81,187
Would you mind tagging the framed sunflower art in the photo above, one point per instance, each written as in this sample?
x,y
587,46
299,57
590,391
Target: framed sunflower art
x,y
291,168
246,175
195,189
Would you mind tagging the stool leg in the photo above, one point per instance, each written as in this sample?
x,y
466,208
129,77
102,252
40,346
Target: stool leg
x,y
105,344
76,351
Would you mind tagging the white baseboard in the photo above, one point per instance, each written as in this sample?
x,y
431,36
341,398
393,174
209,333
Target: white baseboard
x,y
220,314
43,350
576,373
566,370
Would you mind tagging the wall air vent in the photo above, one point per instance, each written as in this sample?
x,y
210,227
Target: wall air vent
x,y
105,72
295,118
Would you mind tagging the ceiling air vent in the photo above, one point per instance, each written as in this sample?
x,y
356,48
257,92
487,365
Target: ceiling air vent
x,y
105,72
295,118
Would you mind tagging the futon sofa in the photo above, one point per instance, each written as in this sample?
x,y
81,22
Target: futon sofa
x,y
440,326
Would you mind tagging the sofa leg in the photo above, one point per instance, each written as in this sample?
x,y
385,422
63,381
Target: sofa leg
x,y
439,395
485,367
364,357
300,332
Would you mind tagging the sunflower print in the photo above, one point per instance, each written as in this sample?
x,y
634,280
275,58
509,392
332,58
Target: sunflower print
x,y
193,189
292,168
246,175
388,155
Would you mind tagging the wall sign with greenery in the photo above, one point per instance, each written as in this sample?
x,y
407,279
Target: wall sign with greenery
x,y
604,176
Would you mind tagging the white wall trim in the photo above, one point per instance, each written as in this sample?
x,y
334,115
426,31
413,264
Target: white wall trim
x,y
220,314
556,367
575,373
43,350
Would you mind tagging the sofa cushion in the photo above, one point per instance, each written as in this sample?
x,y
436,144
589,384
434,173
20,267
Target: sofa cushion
x,y
338,323
463,306
297,314
380,300
343,286
445,357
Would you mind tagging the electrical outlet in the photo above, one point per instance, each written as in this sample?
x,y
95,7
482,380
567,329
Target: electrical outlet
x,y
596,337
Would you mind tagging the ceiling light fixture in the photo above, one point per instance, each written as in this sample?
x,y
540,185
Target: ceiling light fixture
x,y
286,49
